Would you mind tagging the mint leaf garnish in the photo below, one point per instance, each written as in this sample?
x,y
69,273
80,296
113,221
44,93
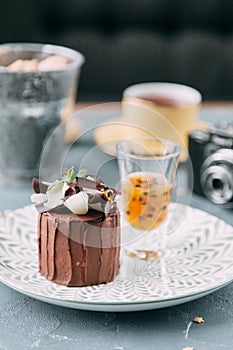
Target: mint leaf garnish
x,y
69,175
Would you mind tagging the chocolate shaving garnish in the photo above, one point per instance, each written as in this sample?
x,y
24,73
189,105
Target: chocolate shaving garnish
x,y
96,198
110,208
60,209
108,192
95,178
41,208
92,185
70,191
107,209
86,183
38,186
104,195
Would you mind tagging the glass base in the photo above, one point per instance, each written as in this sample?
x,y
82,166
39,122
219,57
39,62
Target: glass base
x,y
144,254
148,245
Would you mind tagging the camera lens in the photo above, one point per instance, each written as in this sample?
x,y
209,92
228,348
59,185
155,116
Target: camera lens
x,y
218,185
217,176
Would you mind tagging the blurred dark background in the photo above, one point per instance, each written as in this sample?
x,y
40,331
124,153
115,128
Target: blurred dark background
x,y
130,41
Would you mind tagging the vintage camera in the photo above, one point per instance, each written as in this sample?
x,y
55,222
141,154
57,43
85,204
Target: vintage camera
x,y
211,154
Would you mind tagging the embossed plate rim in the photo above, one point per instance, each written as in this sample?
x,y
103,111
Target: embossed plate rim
x,y
130,305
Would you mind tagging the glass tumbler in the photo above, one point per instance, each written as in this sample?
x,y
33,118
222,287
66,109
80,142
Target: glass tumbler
x,y
147,169
33,103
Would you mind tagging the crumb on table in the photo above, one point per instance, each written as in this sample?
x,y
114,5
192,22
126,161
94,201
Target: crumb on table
x,y
198,320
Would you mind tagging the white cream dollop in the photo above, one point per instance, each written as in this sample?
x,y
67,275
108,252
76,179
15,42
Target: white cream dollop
x,y
53,197
39,198
78,203
55,194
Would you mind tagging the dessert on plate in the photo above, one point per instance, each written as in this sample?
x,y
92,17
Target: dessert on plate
x,y
78,230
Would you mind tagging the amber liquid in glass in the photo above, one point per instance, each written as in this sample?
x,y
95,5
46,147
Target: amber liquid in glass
x,y
146,199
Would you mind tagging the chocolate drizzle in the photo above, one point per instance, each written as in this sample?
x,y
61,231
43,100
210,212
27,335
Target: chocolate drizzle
x,y
39,186
79,251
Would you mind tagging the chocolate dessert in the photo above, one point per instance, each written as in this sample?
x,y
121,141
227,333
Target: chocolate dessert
x,y
78,232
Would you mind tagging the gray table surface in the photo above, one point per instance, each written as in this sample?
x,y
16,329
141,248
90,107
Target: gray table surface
x,y
26,323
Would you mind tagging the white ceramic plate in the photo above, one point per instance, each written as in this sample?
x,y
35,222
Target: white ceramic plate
x,y
198,262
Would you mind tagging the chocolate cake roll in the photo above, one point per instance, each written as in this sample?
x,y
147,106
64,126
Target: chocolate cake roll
x,y
79,249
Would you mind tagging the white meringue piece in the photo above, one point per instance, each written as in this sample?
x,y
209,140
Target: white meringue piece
x,y
54,186
55,194
39,198
89,177
78,203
